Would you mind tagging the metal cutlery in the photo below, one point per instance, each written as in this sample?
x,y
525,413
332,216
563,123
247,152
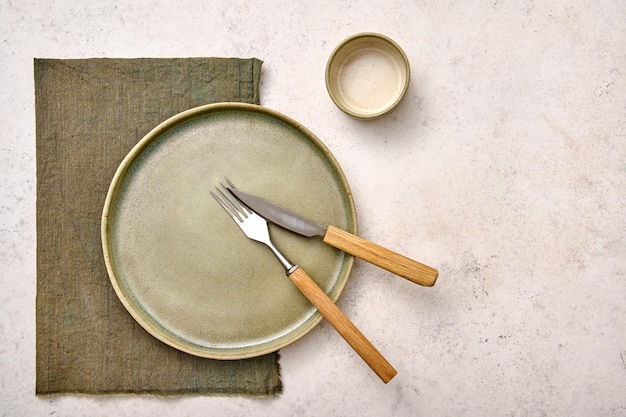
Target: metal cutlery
x,y
377,255
255,228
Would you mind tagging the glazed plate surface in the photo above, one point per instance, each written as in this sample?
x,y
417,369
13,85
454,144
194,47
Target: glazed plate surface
x,y
178,262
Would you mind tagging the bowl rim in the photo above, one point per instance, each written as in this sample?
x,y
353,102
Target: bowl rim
x,y
343,44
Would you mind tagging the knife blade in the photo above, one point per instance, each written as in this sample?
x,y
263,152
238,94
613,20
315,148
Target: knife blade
x,y
377,255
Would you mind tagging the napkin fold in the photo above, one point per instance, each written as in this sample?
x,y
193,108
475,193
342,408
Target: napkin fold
x,y
89,114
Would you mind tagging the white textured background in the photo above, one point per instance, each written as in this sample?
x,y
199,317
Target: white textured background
x,y
504,167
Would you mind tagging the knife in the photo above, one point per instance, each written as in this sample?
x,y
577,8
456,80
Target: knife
x,y
377,255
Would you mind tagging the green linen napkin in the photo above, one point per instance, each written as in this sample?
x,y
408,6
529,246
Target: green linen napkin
x,y
89,114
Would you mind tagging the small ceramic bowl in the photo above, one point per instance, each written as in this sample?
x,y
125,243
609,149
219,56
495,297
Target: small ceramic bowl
x,y
367,75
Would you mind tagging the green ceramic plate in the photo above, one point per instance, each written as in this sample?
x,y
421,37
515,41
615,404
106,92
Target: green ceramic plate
x,y
178,262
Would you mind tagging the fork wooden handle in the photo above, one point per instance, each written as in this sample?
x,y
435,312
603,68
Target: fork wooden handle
x,y
343,325
377,255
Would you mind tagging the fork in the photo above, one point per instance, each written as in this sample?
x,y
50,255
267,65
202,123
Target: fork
x,y
255,228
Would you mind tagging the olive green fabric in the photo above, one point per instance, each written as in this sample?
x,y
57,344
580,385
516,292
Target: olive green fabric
x,y
89,114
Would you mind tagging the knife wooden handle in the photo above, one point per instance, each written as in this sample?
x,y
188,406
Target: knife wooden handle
x,y
377,255
343,325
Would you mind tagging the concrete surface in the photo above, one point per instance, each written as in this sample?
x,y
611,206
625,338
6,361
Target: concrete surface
x,y
504,167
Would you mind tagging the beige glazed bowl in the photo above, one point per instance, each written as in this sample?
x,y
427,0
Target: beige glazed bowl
x,y
367,75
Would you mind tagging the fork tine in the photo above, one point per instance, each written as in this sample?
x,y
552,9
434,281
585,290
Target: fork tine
x,y
233,206
234,200
230,184
226,207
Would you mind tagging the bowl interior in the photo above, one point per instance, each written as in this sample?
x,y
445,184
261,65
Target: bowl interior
x,y
367,75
